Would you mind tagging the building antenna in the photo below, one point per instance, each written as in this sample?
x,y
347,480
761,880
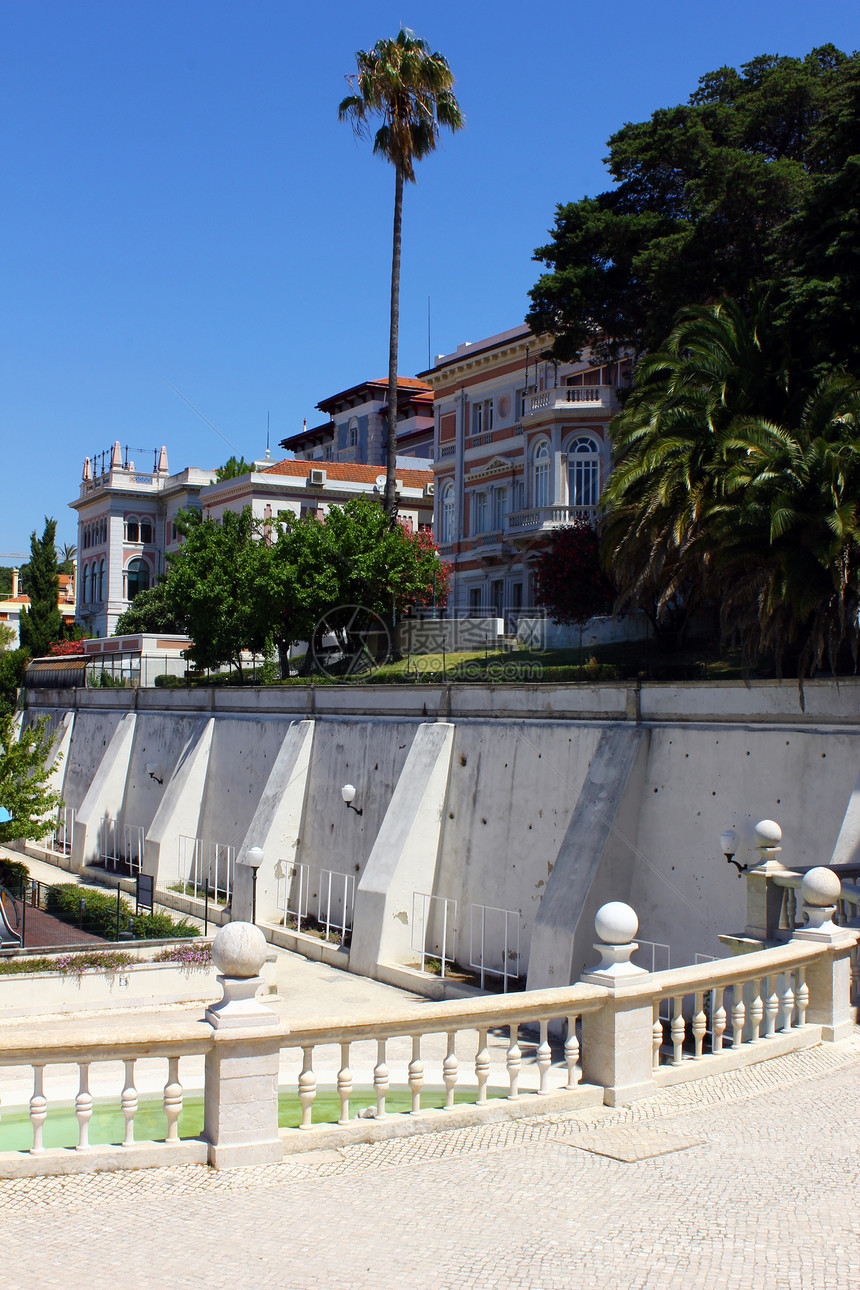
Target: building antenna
x,y
429,355
201,416
268,423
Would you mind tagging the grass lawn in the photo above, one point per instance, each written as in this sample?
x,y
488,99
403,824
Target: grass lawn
x,y
108,1126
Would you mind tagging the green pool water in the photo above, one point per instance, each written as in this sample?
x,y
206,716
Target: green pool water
x,y
150,1124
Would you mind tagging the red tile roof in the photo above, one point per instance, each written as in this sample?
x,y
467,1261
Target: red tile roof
x,y
349,471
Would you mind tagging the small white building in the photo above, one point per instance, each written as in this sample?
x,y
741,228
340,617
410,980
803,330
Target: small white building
x,y
309,488
125,529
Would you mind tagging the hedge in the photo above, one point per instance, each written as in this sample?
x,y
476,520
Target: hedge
x,y
99,916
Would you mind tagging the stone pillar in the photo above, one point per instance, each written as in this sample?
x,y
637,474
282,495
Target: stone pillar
x,y
240,1119
828,978
764,897
617,1040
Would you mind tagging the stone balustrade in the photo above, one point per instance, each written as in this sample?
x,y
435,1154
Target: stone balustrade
x,y
618,1035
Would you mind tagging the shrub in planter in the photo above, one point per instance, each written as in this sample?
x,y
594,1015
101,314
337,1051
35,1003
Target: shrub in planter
x,y
167,681
13,875
100,914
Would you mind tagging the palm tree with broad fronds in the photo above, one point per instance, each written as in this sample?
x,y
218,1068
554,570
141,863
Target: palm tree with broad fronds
x,y
732,490
408,89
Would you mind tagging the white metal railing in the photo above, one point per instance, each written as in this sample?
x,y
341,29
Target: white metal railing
x,y
336,902
494,948
109,842
207,866
547,517
132,847
427,938
61,840
293,884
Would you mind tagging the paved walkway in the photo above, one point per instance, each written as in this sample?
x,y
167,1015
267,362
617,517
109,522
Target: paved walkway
x,y
743,1181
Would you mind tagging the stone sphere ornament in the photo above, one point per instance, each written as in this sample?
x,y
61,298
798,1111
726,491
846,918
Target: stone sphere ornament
x,y
239,950
616,923
820,887
768,834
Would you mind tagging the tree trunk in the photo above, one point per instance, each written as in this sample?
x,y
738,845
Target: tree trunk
x,y
390,501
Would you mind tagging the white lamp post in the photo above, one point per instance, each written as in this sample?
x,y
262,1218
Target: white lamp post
x,y
348,795
253,859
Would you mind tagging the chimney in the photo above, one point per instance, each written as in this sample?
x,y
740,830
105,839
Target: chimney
x,y
14,584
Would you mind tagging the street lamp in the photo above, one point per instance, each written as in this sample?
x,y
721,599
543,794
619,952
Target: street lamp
x,y
348,795
253,859
729,847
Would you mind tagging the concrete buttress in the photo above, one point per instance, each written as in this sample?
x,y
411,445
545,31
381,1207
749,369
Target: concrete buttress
x,y
594,862
404,855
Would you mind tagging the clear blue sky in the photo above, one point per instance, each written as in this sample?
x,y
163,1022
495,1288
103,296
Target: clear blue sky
x,y
180,203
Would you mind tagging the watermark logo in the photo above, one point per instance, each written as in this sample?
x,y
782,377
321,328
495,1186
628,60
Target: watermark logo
x,y
349,642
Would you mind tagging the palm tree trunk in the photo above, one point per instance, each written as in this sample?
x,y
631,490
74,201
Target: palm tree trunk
x,y
390,501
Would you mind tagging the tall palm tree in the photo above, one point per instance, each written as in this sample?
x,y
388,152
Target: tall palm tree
x,y
409,88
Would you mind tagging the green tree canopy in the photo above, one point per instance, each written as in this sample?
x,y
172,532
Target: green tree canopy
x,y
223,585
153,610
751,185
233,467
42,622
24,772
354,557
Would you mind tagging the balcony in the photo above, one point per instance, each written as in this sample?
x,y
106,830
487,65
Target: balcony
x,y
575,400
543,519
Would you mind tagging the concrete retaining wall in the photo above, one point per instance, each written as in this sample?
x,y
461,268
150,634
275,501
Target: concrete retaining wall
x,y
518,772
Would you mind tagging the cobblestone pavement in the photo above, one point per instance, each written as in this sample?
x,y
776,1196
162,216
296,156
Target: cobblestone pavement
x,y
742,1180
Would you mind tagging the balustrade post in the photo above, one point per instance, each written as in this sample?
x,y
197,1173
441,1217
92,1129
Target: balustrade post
x,y
240,1120
828,979
617,1040
764,896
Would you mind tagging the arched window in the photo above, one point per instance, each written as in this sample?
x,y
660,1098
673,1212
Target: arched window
x,y
146,530
137,578
352,434
101,594
85,583
132,531
583,472
447,513
541,474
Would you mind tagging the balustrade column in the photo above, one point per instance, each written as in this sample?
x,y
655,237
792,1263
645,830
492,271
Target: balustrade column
x,y
543,1058
380,1078
827,980
513,1062
84,1107
718,1020
415,1074
307,1087
344,1084
449,1070
172,1099
128,1102
38,1109
482,1067
571,1053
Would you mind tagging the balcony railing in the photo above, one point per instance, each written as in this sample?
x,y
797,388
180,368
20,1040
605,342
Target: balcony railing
x,y
447,450
537,518
577,399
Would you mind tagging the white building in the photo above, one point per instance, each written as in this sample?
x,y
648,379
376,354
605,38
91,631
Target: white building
x,y
125,528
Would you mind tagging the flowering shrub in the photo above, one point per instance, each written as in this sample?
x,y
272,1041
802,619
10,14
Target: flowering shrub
x,y
569,581
58,649
71,964
188,955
